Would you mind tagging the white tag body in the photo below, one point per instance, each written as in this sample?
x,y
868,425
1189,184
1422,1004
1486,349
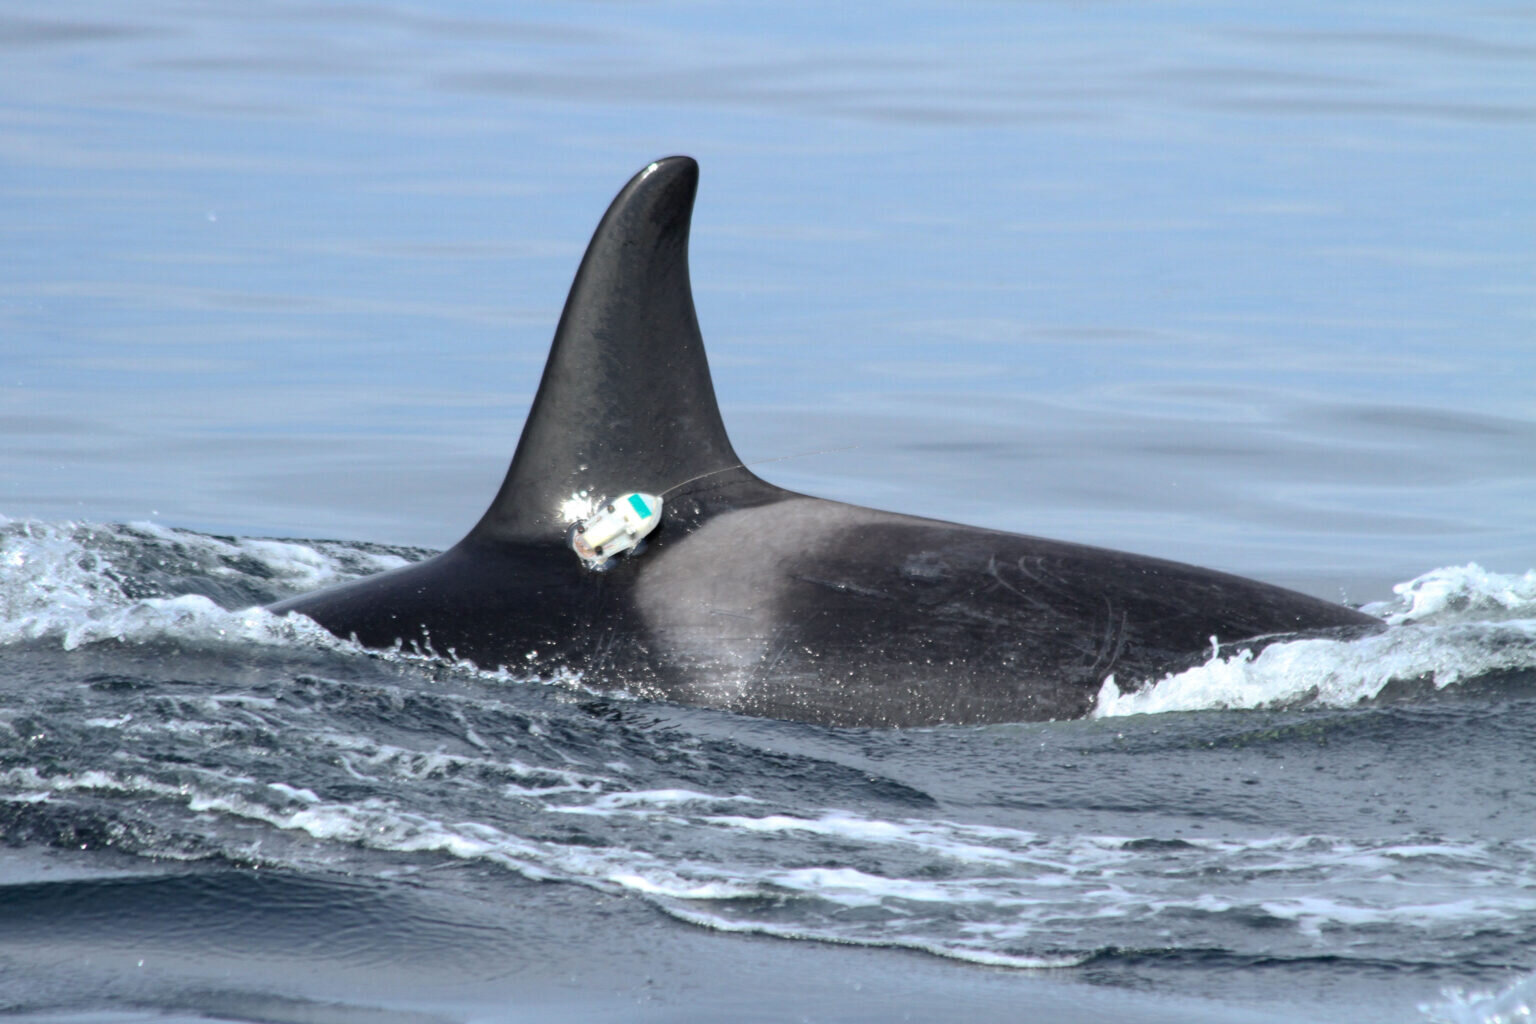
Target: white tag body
x,y
615,527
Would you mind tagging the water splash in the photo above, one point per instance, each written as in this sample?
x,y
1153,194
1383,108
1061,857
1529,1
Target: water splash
x,y
1466,593
1514,1004
1450,626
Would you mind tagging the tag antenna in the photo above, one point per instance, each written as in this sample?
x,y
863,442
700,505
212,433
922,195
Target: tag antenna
x,y
757,462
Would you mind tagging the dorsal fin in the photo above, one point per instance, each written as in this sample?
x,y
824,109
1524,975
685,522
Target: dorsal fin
x,y
626,402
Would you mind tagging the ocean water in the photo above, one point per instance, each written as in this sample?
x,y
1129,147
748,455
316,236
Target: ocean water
x,y
1244,286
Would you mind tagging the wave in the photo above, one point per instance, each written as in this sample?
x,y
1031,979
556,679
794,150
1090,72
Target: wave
x,y
983,894
311,769
1451,626
82,584
1515,1002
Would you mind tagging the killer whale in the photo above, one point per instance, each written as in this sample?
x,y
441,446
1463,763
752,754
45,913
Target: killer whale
x,y
754,599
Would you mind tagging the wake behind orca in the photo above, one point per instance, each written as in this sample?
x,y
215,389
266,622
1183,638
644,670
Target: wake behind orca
x,y
750,598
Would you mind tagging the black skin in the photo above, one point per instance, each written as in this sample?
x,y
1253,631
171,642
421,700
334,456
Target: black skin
x,y
905,622
754,599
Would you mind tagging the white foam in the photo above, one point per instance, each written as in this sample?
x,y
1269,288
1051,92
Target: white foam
x,y
60,581
963,843
63,582
665,798
1020,890
48,579
1313,914
1335,673
370,760
298,564
302,567
1513,1004
976,953
983,893
987,894
1452,624
190,616
1466,593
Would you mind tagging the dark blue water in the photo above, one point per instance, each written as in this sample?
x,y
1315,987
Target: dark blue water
x,y
1241,286
212,810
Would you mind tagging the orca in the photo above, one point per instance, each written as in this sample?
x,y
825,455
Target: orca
x,y
754,599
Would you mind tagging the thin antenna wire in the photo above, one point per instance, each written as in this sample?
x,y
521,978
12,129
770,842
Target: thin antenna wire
x,y
755,462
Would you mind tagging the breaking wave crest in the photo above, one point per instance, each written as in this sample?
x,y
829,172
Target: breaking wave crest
x,y
1451,626
1514,1003
81,584
320,761
984,894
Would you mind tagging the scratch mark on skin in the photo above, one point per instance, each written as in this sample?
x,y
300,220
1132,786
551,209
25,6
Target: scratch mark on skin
x,y
728,615
771,660
1100,651
843,587
1112,642
994,570
603,655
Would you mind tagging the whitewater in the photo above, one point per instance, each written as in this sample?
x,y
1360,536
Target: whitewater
x,y
1241,286
1299,812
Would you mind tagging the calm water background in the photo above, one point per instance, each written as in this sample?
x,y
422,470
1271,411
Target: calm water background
x,y
1246,286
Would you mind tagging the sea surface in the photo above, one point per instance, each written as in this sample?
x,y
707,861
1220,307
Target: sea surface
x,y
1246,285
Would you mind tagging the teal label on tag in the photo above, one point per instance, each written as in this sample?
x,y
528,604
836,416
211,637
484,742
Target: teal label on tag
x,y
640,506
